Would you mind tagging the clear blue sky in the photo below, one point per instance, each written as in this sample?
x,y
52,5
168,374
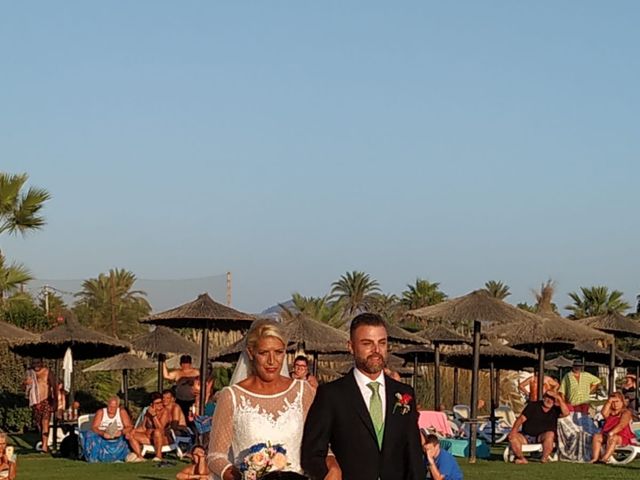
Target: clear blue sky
x,y
291,141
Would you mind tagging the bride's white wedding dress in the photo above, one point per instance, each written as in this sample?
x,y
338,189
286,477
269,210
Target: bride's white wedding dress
x,y
243,419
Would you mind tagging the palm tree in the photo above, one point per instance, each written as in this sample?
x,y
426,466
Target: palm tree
x,y
318,308
497,289
422,294
109,302
387,305
354,290
20,210
592,301
12,277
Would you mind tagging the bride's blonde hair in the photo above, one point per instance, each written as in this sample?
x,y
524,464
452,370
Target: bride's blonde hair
x,y
263,328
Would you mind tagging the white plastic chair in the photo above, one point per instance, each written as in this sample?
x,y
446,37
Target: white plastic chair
x,y
509,457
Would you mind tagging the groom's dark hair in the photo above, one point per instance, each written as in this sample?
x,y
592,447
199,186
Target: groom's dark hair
x,y
366,319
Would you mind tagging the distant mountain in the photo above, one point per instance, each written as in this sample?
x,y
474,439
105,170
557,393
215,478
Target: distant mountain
x,y
273,312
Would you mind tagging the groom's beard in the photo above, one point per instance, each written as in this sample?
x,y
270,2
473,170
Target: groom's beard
x,y
373,363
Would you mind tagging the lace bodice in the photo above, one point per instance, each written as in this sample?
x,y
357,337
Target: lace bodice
x,y
243,418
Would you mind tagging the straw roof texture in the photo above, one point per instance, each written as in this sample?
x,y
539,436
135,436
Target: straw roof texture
x,y
424,353
400,335
555,333
560,362
124,361
12,334
503,357
314,336
438,333
164,340
593,352
302,332
614,323
84,342
477,305
203,312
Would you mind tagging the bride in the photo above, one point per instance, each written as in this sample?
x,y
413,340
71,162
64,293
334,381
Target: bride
x,y
261,405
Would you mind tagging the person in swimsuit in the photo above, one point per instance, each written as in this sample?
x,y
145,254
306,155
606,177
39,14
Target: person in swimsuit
x,y
616,431
41,391
185,378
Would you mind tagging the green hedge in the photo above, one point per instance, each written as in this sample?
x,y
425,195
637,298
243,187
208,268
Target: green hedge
x,y
15,419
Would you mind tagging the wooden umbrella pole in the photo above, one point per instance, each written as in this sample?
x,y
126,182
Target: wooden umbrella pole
x,y
204,354
125,388
497,387
475,373
456,375
540,371
415,371
612,366
492,414
436,378
315,364
161,360
636,388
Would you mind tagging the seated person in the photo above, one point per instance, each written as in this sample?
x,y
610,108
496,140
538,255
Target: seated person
x,y
198,469
301,371
629,392
539,421
209,401
7,459
440,464
152,431
616,431
106,442
175,418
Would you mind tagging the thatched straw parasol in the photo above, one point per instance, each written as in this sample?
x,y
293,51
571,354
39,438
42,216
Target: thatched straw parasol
x,y
619,326
85,344
439,335
547,332
303,333
476,308
163,340
203,313
11,334
494,356
397,334
124,362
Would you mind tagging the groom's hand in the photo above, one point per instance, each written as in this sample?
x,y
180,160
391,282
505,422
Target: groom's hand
x,y
334,474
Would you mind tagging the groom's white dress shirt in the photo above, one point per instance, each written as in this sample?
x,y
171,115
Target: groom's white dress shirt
x,y
362,380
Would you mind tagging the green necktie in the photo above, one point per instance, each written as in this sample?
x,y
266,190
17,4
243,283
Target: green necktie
x,y
375,410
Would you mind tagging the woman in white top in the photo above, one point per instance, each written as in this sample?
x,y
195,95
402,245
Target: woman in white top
x,y
264,406
106,441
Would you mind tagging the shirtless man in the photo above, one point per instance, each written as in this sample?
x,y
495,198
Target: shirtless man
x,y
176,419
152,430
41,385
185,378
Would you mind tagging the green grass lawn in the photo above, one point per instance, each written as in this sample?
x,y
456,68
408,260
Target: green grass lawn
x,y
33,466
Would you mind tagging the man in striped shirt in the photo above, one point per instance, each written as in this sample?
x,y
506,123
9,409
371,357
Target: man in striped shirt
x,y
577,387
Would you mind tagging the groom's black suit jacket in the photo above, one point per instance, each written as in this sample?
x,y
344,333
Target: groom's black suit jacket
x,y
339,418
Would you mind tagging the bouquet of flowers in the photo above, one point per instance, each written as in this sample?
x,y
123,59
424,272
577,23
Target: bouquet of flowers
x,y
262,459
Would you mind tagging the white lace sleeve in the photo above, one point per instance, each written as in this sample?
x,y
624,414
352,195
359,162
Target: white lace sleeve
x,y
221,434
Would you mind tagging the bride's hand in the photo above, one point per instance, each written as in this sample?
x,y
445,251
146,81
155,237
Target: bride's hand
x,y
334,474
232,473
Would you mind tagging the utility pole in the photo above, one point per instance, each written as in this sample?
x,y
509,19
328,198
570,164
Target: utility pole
x,y
228,289
46,300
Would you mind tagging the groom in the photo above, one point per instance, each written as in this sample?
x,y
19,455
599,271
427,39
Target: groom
x,y
368,420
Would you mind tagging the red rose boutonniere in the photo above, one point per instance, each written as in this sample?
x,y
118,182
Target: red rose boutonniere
x,y
403,401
